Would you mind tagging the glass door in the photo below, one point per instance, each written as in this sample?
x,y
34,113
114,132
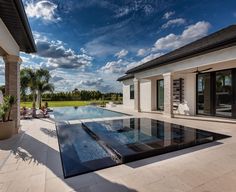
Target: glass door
x,y
224,93
160,95
204,94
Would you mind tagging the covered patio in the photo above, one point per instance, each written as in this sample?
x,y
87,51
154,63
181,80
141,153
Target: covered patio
x,y
197,79
15,37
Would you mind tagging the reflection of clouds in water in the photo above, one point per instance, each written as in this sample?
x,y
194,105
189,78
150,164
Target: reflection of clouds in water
x,y
85,112
87,149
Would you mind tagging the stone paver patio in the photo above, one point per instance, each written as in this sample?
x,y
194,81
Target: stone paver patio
x,y
31,161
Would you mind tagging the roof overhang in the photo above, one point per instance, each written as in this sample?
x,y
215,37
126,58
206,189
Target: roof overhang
x,y
216,41
125,77
14,17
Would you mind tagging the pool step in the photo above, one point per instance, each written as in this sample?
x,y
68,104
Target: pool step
x,y
114,155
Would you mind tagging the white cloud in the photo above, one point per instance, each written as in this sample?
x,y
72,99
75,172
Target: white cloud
x,y
56,78
148,9
141,52
95,84
167,15
121,53
45,10
191,33
122,11
149,57
161,46
135,6
174,22
58,56
91,82
115,67
121,66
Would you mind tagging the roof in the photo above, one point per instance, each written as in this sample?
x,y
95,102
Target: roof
x,y
125,77
14,17
215,41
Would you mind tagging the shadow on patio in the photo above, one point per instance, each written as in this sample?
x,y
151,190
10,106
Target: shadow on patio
x,y
33,153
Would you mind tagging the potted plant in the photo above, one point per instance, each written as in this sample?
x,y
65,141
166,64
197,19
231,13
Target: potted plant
x,y
7,125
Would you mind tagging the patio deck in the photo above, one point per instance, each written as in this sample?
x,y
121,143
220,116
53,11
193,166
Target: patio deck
x,y
31,161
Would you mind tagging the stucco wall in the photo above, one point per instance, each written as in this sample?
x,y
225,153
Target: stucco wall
x,y
127,102
220,56
217,60
145,95
188,107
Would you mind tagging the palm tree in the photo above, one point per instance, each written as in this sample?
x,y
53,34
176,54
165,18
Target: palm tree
x,y
29,80
43,85
38,83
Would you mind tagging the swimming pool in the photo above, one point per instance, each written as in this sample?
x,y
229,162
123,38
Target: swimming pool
x,y
90,146
84,112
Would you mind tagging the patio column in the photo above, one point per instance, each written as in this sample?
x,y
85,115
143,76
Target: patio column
x,y
12,85
136,95
168,108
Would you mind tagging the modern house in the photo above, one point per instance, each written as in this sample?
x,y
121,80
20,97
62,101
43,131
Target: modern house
x,y
15,36
196,79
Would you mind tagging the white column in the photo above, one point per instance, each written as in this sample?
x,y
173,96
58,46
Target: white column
x,y
136,95
190,92
12,85
168,104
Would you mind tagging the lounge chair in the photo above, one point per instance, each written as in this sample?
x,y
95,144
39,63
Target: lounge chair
x,y
26,113
42,113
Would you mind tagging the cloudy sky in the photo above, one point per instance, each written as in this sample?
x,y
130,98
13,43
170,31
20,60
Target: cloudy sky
x,y
89,44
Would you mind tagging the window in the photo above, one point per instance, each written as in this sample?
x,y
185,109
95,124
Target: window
x,y
215,93
160,95
131,89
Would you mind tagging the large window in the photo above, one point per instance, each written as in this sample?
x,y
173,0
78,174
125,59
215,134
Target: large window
x,y
215,93
204,94
224,93
131,89
160,95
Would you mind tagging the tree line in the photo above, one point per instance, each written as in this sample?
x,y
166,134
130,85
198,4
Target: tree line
x,y
36,86
82,95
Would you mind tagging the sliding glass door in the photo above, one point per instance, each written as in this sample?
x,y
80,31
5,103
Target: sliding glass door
x,y
204,94
215,93
160,95
224,93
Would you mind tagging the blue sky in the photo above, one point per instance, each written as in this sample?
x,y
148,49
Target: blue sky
x,y
89,44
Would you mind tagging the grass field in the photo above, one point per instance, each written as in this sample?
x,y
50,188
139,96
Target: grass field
x,y
62,103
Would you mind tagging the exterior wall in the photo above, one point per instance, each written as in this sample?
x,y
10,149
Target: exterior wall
x,y
220,56
127,102
218,60
145,95
154,94
12,85
188,107
190,93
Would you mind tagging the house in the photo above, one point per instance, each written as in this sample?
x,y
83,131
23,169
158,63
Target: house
x,y
196,79
15,37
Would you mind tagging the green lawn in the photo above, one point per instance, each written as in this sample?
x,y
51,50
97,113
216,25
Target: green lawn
x,y
62,103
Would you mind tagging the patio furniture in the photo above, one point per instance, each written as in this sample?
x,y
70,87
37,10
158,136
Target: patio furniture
x,y
110,104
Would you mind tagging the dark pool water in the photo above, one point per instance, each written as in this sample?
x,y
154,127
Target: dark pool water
x,y
95,145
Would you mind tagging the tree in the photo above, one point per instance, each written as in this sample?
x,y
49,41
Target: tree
x,y
43,76
37,81
28,80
